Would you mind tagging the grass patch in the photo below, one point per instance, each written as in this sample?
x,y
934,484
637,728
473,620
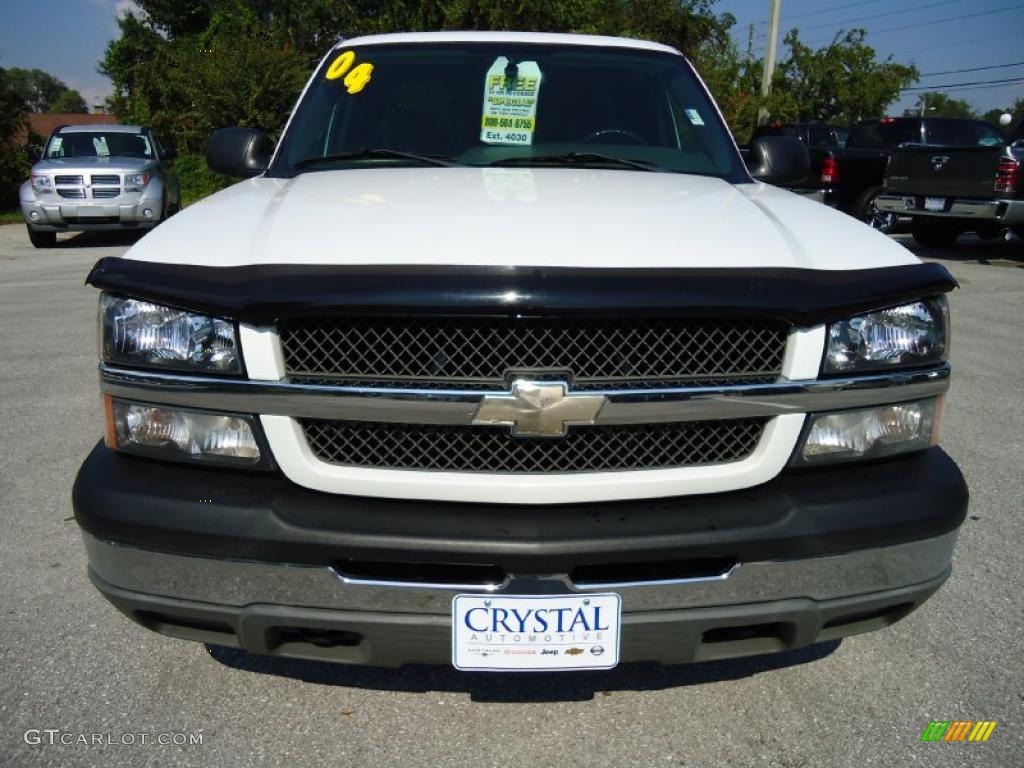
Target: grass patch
x,y
11,217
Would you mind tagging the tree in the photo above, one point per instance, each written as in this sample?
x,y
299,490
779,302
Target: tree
x,y
41,91
1016,112
940,105
189,67
842,82
69,101
13,124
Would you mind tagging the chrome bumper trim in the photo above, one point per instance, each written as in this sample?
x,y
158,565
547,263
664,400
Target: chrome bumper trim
x,y
240,583
459,407
1002,211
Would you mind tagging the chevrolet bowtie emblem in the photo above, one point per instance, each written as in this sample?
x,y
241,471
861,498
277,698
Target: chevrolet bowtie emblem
x,y
538,409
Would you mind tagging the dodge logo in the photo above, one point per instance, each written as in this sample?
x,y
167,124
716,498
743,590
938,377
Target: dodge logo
x,y
538,409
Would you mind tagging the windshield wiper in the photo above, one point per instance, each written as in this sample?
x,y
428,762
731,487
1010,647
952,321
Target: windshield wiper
x,y
580,158
369,154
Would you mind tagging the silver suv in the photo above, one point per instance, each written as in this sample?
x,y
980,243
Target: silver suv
x,y
98,177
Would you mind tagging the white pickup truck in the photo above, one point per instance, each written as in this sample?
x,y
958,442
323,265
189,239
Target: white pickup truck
x,y
502,358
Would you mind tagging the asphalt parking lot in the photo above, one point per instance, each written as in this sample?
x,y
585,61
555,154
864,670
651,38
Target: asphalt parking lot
x,y
69,661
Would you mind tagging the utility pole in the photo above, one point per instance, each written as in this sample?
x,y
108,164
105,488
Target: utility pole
x,y
769,59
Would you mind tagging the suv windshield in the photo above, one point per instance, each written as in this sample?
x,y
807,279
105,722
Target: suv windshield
x,y
507,104
99,144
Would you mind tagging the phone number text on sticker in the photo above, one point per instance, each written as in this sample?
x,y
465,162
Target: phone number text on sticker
x,y
535,632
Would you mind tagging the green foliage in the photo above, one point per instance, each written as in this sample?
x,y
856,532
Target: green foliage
x,y
14,168
188,68
941,105
842,82
69,101
42,92
1016,111
14,164
197,180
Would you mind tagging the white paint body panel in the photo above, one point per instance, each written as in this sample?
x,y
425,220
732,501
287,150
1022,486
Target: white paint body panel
x,y
518,217
514,217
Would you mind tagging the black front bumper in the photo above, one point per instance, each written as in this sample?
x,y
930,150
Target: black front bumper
x,y
265,517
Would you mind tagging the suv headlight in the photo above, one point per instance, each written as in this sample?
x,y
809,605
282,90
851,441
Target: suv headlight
x,y
41,183
135,180
141,333
899,337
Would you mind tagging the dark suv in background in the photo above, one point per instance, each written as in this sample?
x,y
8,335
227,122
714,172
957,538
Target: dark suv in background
x,y
863,163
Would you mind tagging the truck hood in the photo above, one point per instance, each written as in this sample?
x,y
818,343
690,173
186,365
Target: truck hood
x,y
93,164
567,217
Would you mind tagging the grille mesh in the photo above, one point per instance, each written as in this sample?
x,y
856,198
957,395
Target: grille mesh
x,y
494,449
486,349
106,179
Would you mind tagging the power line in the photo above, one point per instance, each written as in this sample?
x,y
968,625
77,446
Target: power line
x,y
974,69
926,23
825,10
951,18
958,43
957,85
984,87
882,15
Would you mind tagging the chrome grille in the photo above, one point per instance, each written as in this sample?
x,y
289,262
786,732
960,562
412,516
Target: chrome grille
x,y
494,449
427,349
106,179
67,179
76,194
105,192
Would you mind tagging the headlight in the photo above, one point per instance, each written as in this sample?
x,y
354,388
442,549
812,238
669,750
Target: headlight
x,y
140,333
136,180
41,183
870,432
172,433
908,335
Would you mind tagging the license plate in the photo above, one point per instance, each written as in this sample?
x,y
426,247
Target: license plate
x,y
535,632
935,203
85,211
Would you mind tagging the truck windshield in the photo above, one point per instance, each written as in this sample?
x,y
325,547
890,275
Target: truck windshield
x,y
494,104
98,144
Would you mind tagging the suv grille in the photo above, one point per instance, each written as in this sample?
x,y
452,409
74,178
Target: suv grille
x,y
424,349
106,179
67,179
494,449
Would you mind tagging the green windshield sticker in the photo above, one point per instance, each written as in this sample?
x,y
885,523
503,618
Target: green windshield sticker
x,y
695,117
510,102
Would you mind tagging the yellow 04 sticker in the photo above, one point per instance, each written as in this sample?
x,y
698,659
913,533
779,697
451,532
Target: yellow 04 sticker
x,y
341,65
356,77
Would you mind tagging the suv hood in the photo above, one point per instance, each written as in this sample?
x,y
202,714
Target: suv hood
x,y
568,217
89,164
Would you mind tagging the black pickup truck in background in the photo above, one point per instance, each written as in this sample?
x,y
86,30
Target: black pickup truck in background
x,y
862,164
823,145
970,182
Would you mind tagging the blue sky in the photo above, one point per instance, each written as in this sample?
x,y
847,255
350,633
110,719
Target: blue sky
x,y
68,37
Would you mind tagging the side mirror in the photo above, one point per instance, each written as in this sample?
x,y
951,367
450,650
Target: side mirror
x,y
241,152
34,154
778,159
